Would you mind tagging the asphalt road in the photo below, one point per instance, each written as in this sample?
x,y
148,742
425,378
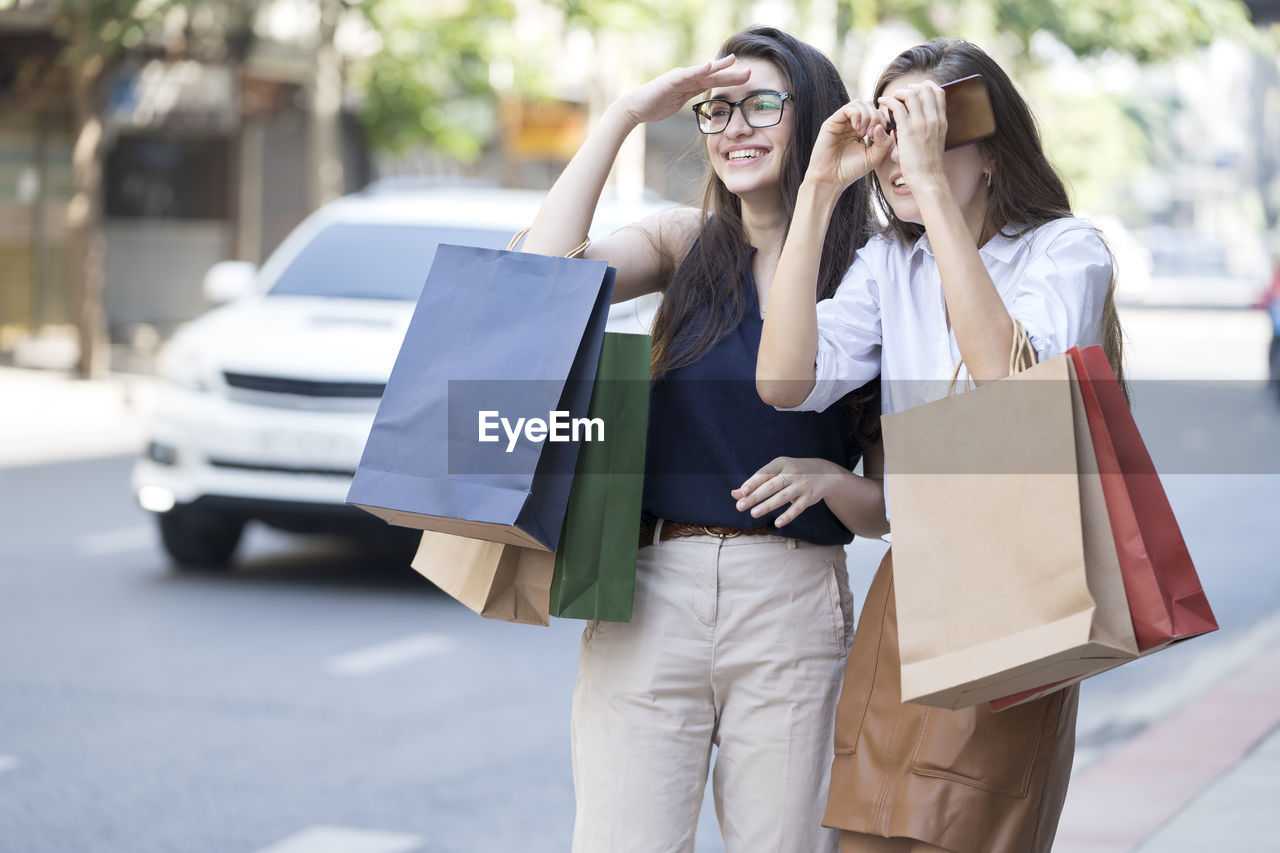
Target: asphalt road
x,y
147,711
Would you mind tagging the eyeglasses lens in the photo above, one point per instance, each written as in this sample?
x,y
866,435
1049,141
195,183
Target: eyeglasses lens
x,y
761,110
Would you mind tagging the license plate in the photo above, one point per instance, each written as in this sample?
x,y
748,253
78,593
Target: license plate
x,y
304,448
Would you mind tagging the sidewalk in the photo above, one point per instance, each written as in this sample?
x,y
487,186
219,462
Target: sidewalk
x,y
1204,777
1205,773
47,416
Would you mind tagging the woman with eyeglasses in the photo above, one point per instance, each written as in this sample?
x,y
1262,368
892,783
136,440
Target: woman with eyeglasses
x,y
976,237
738,635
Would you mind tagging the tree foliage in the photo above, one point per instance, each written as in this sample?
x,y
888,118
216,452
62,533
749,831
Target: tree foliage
x,y
106,30
425,84
1147,30
429,82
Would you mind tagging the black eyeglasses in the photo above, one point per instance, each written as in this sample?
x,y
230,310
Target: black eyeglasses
x,y
763,109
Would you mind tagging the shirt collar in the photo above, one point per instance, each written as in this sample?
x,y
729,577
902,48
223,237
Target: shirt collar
x,y
1002,247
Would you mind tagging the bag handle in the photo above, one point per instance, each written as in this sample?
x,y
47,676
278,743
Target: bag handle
x,y
576,252
1021,356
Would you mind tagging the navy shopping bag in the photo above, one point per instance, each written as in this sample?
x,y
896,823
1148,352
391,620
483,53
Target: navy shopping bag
x,y
476,433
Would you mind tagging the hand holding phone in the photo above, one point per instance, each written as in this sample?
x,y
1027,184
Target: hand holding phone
x,y
969,115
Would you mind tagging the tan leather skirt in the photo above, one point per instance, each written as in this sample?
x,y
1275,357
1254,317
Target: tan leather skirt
x,y
968,781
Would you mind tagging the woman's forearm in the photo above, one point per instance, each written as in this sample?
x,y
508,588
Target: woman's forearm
x,y
789,341
859,504
982,326
565,216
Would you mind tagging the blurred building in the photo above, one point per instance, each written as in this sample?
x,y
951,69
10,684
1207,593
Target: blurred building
x,y
35,173
207,160
224,174
204,161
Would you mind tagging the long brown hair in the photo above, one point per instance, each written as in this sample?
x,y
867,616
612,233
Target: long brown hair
x,y
704,298
1025,191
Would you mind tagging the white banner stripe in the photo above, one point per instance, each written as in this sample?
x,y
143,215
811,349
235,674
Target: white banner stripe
x,y
392,654
338,839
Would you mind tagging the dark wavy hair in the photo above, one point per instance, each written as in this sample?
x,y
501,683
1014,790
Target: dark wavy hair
x,y
1026,191
704,298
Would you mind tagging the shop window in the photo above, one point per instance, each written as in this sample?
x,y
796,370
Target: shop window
x,y
168,178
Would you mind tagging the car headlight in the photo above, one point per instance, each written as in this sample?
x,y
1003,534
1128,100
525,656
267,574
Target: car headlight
x,y
185,368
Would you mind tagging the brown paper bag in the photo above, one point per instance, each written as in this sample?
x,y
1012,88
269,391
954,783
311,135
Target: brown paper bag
x,y
504,582
1006,571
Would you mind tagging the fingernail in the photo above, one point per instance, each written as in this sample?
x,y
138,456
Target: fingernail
x,y
741,505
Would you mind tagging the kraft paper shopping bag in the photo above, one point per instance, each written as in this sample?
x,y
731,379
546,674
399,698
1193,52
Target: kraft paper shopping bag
x,y
1166,601
504,582
1006,571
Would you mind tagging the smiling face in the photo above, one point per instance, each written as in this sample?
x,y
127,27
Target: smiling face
x,y
965,167
749,159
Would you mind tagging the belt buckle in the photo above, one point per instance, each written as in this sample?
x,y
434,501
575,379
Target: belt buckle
x,y
732,535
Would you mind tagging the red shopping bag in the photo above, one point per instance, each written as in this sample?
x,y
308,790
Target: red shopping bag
x,y
1166,601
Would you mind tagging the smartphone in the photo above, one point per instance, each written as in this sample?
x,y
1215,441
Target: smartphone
x,y
969,115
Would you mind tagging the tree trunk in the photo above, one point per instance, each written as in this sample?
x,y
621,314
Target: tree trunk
x,y
85,238
325,130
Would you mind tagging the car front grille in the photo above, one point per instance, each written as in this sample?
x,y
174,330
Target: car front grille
x,y
282,469
305,387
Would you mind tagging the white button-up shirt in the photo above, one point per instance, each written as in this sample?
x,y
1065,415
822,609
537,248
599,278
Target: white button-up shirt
x,y
889,317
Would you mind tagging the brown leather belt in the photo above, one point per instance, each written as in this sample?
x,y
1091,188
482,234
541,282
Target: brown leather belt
x,y
678,529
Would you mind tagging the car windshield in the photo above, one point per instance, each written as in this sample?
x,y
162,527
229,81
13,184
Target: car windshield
x,y
370,261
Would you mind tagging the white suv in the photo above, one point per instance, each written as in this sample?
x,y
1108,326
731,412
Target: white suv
x,y
268,399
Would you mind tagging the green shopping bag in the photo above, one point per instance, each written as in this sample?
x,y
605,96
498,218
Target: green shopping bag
x,y
595,571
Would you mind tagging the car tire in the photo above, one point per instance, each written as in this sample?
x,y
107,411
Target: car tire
x,y
199,541
398,547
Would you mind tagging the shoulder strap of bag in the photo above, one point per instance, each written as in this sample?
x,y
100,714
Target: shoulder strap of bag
x,y
576,252
1021,356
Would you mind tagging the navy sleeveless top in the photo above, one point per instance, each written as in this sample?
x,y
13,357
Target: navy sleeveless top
x,y
709,431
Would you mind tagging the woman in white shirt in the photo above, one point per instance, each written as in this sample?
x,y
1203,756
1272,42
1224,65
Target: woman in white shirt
x,y
977,236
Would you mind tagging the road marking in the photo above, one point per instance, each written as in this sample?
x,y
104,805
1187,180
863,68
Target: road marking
x,y
388,655
7,762
141,538
339,839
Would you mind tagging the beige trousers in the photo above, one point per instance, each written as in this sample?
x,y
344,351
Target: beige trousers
x,y
738,643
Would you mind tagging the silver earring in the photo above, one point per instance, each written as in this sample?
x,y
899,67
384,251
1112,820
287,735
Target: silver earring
x,y
988,179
